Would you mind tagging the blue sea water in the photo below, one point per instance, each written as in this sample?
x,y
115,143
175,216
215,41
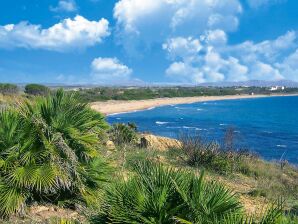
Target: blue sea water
x,y
267,126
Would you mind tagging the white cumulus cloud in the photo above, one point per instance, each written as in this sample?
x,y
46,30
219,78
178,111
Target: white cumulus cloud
x,y
65,6
144,22
77,33
110,71
215,61
182,47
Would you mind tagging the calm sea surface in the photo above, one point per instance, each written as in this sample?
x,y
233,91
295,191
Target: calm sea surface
x,y
268,126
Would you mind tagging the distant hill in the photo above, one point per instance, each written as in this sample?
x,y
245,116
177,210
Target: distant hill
x,y
257,83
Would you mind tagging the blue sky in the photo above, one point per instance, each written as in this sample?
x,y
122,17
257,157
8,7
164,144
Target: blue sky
x,y
148,41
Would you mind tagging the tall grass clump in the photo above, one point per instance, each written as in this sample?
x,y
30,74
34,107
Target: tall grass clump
x,y
212,155
49,153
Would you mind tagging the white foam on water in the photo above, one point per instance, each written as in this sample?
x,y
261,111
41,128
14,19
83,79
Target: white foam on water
x,y
268,132
174,127
187,127
161,122
129,112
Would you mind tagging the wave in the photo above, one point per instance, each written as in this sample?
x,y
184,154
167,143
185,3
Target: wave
x,y
209,103
182,108
187,127
282,146
161,122
268,132
129,112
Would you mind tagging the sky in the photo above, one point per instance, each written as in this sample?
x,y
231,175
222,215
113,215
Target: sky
x,y
130,42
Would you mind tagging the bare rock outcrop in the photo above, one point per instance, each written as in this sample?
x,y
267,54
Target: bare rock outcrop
x,y
158,143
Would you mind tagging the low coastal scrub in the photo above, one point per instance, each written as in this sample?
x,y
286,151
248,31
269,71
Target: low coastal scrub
x,y
53,154
143,93
8,89
122,134
270,179
211,155
37,89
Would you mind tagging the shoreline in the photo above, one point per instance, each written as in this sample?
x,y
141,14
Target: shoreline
x,y
113,107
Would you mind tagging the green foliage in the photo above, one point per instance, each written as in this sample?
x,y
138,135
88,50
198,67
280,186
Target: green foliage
x,y
142,93
8,89
37,89
211,155
124,133
48,152
158,194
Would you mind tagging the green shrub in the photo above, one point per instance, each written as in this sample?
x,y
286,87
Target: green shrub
x,y
7,88
158,194
211,155
37,89
48,152
123,133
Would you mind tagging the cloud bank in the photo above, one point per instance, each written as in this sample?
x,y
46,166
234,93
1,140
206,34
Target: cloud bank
x,y
143,23
210,59
69,34
110,71
194,33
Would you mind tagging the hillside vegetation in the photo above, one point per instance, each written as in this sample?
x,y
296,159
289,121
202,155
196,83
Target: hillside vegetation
x,y
109,93
56,167
87,95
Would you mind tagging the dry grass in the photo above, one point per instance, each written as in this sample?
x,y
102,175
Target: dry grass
x,y
11,99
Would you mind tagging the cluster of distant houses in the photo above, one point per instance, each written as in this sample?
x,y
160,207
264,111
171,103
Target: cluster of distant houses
x,y
275,88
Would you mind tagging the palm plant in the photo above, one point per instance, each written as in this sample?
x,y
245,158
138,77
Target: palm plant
x,y
48,152
157,194
122,134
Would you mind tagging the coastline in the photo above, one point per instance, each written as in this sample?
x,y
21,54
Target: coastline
x,y
112,107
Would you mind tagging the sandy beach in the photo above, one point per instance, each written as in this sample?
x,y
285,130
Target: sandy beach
x,y
119,106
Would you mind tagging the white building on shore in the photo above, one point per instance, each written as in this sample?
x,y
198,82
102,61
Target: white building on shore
x,y
275,88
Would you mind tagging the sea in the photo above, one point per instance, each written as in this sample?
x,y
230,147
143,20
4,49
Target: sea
x,y
266,126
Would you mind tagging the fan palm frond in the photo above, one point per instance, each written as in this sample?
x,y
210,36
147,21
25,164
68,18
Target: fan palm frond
x,y
158,194
12,199
49,149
